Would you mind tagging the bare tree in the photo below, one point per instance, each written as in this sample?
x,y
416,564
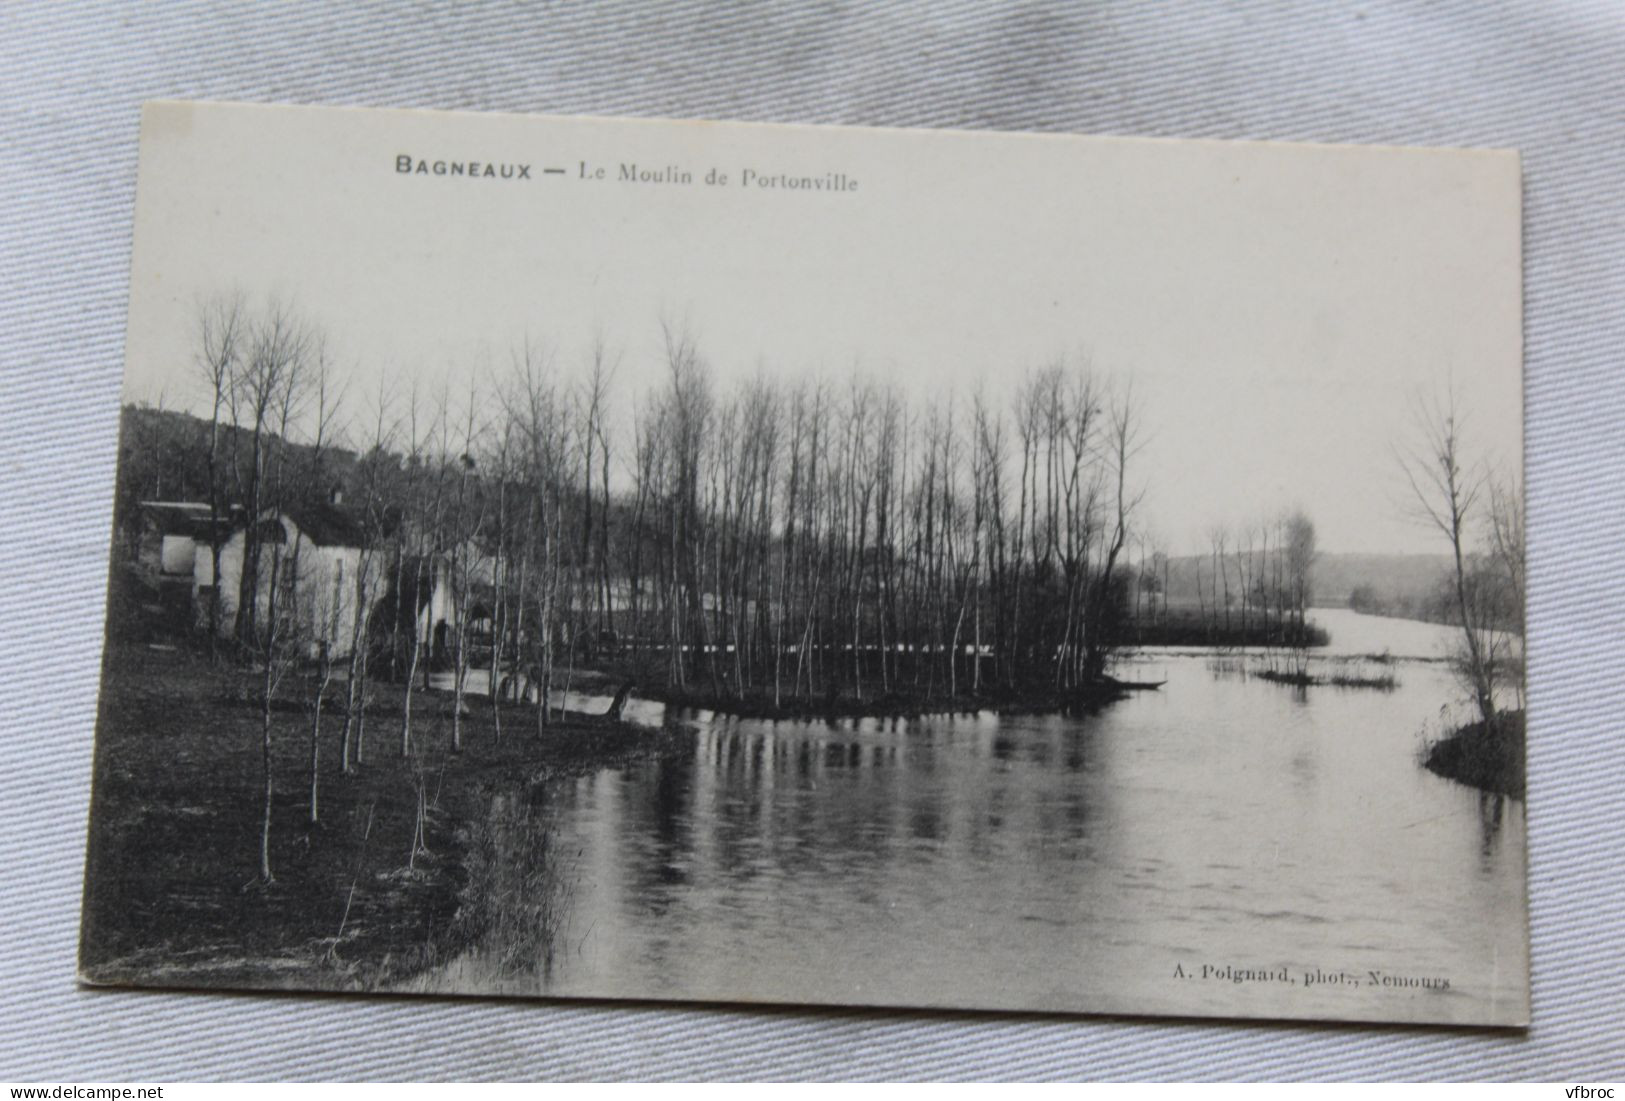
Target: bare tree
x,y
499,465
465,525
378,472
1122,444
1506,538
276,649
266,400
325,610
1300,554
415,573
1447,489
689,411
221,324
593,439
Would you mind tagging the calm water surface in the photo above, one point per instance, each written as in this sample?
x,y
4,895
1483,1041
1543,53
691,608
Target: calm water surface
x,y
1041,861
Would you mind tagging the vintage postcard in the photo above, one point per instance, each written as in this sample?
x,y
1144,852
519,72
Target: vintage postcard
x,y
713,562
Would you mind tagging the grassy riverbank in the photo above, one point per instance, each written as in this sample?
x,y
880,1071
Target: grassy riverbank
x,y
1491,757
906,699
1337,677
1180,628
172,893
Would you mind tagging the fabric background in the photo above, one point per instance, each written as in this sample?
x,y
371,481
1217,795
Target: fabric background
x,y
1547,78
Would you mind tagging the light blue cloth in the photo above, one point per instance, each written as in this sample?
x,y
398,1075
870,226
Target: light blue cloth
x,y
1547,78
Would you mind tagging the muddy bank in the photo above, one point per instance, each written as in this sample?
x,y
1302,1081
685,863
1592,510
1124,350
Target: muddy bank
x,y
1488,757
362,897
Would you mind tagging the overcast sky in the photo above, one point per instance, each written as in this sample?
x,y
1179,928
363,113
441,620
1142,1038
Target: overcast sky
x,y
1277,308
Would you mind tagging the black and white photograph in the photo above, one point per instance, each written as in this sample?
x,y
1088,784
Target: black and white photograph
x,y
719,562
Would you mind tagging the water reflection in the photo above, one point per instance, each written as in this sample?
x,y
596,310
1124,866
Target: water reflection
x,y
1491,812
1040,861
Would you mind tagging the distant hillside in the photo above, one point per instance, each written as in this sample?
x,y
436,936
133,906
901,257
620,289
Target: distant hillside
x,y
1399,577
1394,579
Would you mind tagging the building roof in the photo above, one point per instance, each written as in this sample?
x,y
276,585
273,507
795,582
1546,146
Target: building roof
x,y
329,525
189,518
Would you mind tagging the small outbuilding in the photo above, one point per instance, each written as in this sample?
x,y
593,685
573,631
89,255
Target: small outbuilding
x,y
314,553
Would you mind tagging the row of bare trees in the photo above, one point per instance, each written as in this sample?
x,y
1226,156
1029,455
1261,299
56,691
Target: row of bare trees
x,y
265,373
796,538
803,539
1252,585
791,540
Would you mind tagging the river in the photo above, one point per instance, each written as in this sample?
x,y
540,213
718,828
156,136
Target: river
x,y
1042,862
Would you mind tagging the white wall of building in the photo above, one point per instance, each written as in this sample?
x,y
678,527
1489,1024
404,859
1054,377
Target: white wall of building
x,y
324,580
177,555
